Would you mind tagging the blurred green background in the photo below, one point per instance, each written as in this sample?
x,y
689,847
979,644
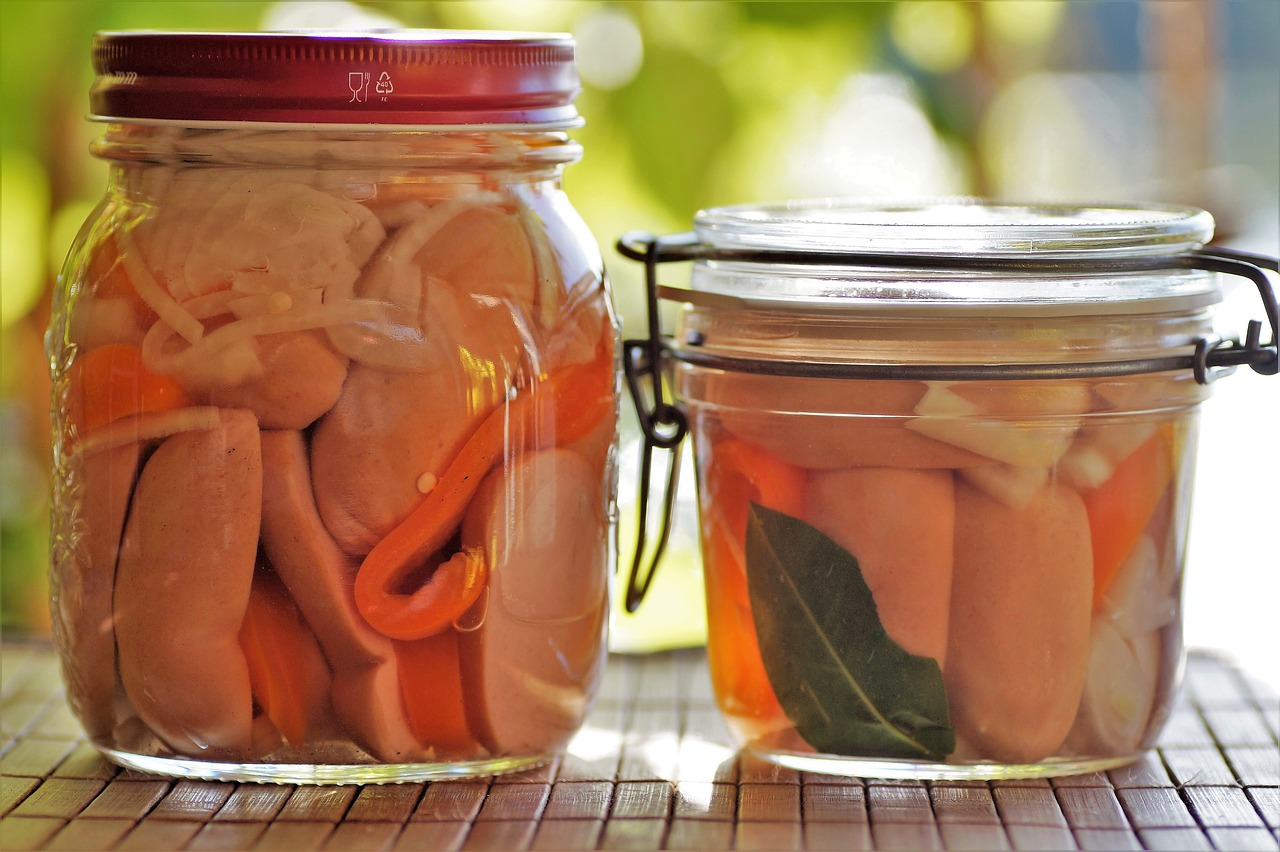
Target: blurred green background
x,y
690,104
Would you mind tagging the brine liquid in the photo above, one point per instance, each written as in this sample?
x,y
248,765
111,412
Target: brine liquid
x,y
1020,545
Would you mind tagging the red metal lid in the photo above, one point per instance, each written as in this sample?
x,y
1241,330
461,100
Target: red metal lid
x,y
400,77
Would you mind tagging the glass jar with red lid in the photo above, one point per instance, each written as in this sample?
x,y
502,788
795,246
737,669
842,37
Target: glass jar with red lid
x,y
335,410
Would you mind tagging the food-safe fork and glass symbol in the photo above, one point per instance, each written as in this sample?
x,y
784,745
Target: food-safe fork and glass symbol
x,y
358,83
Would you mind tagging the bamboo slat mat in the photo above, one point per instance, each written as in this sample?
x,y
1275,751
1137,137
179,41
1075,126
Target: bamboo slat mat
x,y
653,769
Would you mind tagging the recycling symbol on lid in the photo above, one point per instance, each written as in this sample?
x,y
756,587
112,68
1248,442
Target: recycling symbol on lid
x,y
383,86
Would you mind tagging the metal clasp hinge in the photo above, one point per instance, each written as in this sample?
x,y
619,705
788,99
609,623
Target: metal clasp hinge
x,y
663,424
1217,358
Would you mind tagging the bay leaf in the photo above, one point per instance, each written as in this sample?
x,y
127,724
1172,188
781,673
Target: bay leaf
x,y
848,688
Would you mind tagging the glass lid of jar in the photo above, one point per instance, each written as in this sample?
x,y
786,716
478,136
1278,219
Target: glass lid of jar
x,y
948,256
960,226
828,260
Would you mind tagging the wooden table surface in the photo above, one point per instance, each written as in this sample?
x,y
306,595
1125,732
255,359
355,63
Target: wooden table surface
x,y
652,769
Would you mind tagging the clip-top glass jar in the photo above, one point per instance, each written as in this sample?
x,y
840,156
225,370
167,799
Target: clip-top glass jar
x,y
335,399
944,456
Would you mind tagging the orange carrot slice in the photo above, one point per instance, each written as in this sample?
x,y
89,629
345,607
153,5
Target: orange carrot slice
x,y
111,382
1120,508
737,671
740,473
450,591
431,683
743,473
286,670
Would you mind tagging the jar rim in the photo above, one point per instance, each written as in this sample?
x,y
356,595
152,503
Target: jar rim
x,y
958,226
374,78
866,291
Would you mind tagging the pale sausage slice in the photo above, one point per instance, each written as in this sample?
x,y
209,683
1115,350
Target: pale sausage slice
x,y
302,378
899,525
366,684
826,424
386,433
1021,605
483,250
392,433
186,566
530,669
88,581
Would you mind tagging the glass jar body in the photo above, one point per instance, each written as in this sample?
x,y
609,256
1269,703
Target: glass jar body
x,y
335,439
942,579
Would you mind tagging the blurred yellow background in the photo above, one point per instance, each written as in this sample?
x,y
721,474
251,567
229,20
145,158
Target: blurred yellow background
x,y
691,104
